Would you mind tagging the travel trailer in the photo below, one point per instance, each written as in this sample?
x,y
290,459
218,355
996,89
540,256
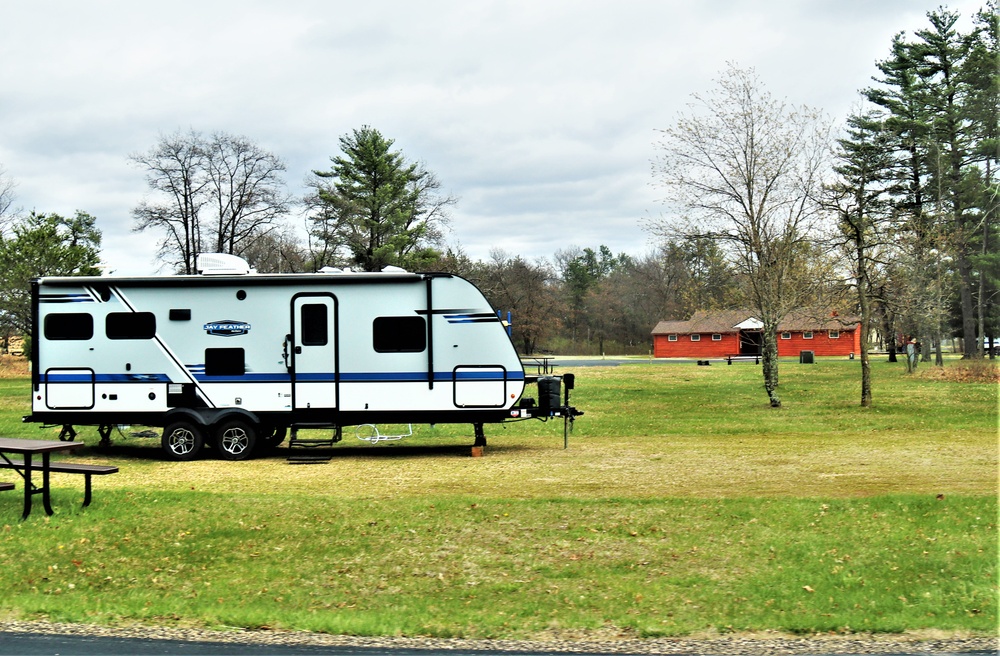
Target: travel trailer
x,y
236,359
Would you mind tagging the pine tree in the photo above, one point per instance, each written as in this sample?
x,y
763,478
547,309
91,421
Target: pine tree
x,y
940,91
861,203
378,209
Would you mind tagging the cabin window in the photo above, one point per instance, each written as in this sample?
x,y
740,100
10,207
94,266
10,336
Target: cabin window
x,y
671,338
716,337
399,334
786,335
834,334
180,314
695,338
69,325
225,362
130,325
807,334
313,317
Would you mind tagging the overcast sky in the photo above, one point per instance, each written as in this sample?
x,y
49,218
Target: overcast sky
x,y
539,116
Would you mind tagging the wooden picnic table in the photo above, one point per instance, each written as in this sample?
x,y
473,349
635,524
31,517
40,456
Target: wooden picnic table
x,y
27,449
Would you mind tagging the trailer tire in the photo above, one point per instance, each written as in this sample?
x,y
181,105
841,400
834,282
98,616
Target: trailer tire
x,y
272,437
236,439
182,440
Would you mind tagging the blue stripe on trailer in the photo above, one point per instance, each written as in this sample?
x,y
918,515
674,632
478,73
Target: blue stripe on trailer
x,y
57,377
321,377
65,298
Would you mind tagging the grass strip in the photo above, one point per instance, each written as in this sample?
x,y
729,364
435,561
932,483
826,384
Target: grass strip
x,y
497,568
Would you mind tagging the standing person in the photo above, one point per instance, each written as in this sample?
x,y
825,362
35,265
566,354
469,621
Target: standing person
x,y
912,353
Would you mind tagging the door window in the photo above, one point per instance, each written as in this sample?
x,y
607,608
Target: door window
x,y
315,324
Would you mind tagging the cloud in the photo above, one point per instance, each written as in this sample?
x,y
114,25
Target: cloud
x,y
539,116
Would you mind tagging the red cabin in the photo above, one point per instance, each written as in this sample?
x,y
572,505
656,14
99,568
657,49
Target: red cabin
x,y
726,333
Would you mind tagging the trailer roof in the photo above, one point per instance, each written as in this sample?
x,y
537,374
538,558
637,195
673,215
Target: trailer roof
x,y
251,279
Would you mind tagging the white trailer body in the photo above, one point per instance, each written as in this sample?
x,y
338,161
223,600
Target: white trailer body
x,y
200,354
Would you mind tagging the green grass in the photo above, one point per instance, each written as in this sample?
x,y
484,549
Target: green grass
x,y
495,568
683,504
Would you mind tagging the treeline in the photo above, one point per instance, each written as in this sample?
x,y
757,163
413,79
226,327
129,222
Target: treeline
x,y
893,220
916,192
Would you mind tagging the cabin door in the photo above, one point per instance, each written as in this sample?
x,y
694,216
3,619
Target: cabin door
x,y
751,342
313,351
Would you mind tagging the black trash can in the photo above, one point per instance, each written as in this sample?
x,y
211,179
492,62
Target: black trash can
x,y
806,357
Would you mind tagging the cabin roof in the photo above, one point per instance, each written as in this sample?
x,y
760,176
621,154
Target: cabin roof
x,y
729,321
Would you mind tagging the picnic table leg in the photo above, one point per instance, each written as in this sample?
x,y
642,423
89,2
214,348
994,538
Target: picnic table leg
x,y
45,484
86,490
26,474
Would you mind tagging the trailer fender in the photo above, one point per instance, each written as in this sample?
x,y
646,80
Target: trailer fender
x,y
208,417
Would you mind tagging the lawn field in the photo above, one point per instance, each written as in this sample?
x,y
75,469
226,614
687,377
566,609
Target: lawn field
x,y
683,504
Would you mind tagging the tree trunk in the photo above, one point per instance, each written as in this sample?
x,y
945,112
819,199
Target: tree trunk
x,y
864,301
969,349
769,361
892,341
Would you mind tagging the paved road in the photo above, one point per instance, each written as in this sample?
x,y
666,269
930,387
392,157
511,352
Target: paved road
x,y
37,644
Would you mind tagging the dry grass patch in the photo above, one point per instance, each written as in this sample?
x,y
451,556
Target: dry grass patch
x,y
966,371
14,366
649,431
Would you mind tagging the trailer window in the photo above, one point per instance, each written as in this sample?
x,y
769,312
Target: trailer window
x,y
399,334
69,325
130,325
314,324
225,362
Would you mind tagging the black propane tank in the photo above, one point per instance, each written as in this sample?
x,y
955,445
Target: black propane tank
x,y
549,392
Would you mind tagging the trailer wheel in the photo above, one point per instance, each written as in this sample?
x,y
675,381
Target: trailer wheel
x,y
182,440
271,438
236,439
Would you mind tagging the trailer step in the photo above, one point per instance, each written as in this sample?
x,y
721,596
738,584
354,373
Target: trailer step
x,y
310,444
308,460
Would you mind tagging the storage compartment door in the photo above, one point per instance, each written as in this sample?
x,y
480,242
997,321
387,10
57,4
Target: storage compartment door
x,y
69,389
480,386
314,351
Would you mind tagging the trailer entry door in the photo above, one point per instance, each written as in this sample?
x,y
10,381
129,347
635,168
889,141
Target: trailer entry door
x,y
314,351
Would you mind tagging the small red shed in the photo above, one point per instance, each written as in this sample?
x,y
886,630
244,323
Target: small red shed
x,y
724,333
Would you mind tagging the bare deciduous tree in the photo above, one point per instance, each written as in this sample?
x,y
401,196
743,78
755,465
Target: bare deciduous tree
x,y
526,290
742,169
214,195
247,191
278,251
7,196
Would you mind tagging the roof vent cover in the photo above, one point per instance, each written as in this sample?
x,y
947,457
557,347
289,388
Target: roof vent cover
x,y
222,264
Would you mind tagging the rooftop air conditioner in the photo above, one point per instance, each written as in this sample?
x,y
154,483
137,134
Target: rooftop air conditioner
x,y
222,264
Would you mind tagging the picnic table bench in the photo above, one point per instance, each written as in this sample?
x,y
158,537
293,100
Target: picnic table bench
x,y
23,456
65,468
741,357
